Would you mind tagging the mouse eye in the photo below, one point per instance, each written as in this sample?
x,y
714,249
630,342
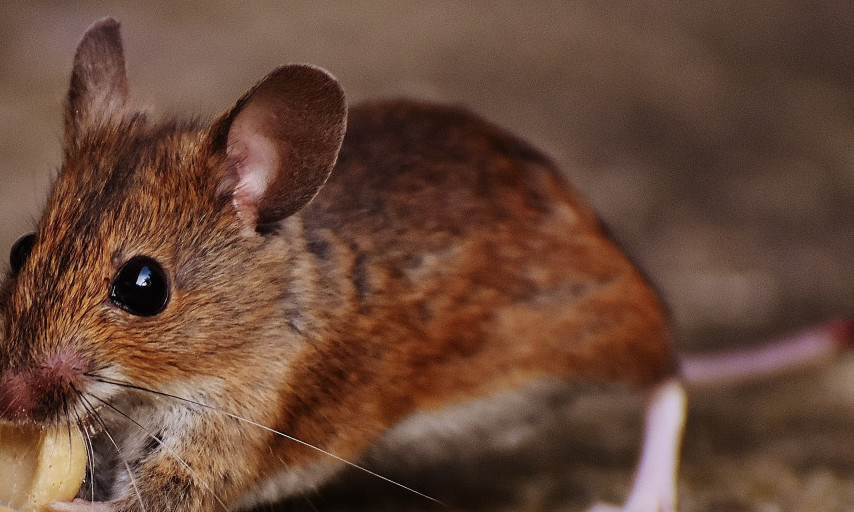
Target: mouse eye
x,y
140,287
21,251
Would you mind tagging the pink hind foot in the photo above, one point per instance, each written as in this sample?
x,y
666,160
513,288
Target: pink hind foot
x,y
79,505
654,488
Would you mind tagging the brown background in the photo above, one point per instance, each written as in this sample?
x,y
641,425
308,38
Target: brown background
x,y
716,141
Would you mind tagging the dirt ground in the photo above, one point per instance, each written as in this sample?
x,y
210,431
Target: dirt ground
x,y
715,138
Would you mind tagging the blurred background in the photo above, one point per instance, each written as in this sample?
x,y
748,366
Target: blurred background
x,y
714,138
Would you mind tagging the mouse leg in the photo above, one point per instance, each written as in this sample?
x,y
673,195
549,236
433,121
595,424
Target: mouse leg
x,y
78,505
654,488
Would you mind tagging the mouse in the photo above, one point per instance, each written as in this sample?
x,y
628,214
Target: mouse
x,y
234,312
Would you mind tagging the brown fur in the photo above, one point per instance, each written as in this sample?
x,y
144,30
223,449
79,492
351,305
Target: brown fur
x,y
443,260
457,277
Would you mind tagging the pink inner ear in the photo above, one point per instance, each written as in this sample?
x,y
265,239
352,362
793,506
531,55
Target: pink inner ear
x,y
254,158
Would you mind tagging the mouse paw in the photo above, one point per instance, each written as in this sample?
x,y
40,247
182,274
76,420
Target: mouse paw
x,y
603,507
654,488
633,507
78,505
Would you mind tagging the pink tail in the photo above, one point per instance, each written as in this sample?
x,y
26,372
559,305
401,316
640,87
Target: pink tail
x,y
802,349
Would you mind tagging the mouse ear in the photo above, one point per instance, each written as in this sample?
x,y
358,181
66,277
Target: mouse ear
x,y
280,141
99,86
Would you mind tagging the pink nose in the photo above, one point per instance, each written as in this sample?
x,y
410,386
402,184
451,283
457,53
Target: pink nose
x,y
40,393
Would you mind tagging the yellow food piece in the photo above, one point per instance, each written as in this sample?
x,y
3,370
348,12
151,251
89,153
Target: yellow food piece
x,y
39,466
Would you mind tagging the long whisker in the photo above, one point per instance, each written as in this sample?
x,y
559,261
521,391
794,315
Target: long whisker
x,y
90,456
68,423
165,447
94,413
351,464
71,425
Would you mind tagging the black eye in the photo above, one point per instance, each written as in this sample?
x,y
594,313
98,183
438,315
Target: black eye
x,y
21,251
140,287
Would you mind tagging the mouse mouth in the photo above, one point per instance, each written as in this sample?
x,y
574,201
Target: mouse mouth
x,y
92,424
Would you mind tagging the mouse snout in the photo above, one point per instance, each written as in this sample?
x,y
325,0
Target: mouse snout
x,y
40,392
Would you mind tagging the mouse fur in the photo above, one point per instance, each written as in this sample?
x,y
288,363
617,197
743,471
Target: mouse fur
x,y
332,271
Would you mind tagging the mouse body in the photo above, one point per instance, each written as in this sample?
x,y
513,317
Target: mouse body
x,y
445,280
234,312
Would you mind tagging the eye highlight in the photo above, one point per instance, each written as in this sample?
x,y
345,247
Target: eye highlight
x,y
20,252
140,287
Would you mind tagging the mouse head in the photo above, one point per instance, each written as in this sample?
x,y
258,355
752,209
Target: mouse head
x,y
143,266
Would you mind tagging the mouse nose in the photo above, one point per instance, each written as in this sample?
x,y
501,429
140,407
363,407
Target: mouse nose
x,y
40,393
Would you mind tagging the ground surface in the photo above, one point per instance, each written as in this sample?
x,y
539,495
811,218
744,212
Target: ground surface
x,y
715,141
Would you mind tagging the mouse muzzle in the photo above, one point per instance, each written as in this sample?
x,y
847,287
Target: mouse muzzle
x,y
42,392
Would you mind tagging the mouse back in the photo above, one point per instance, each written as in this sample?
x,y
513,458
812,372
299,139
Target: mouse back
x,y
476,240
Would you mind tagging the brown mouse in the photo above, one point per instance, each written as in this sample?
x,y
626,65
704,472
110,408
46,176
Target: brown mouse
x,y
234,312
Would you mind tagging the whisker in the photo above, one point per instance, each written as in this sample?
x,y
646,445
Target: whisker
x,y
327,453
69,426
90,457
165,447
94,413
